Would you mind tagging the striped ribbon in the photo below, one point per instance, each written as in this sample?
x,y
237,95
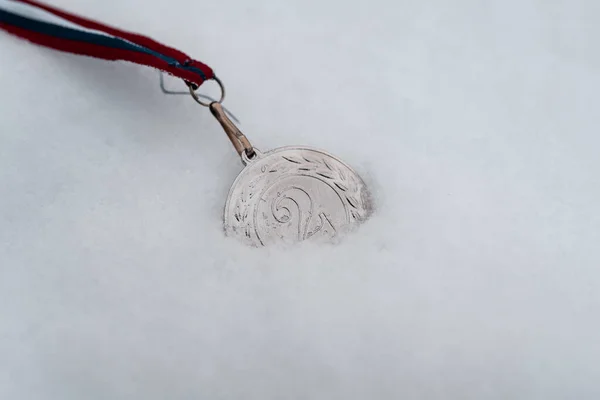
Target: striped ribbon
x,y
60,30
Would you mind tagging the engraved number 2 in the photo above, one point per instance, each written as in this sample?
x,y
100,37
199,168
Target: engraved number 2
x,y
298,200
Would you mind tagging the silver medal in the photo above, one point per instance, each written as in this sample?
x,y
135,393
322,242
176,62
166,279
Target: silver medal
x,y
290,194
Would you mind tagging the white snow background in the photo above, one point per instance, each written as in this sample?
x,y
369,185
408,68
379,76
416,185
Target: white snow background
x,y
475,123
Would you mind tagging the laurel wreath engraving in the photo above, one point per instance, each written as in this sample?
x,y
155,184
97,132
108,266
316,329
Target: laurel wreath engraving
x,y
332,174
336,177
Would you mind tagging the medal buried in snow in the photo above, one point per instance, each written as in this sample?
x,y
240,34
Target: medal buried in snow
x,y
286,195
290,194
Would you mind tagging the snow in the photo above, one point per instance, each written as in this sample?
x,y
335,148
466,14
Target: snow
x,y
474,123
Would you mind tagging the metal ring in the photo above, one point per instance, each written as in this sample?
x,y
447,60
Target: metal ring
x,y
203,103
250,155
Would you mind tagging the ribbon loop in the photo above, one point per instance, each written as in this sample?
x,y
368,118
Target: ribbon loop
x,y
54,28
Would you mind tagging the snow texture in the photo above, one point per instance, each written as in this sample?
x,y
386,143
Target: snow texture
x,y
475,123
